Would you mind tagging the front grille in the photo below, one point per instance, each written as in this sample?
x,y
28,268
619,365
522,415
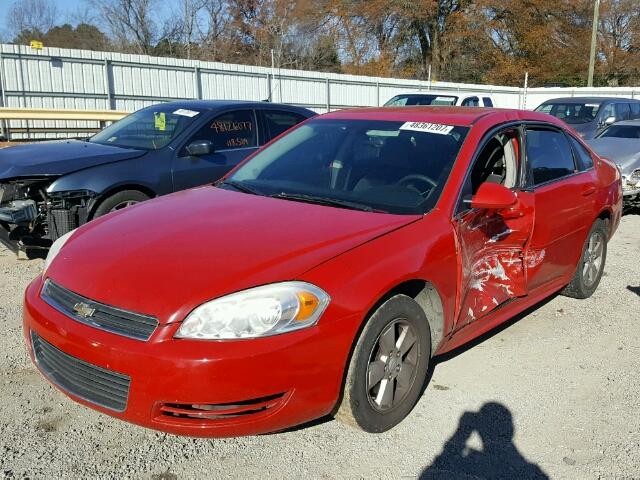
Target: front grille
x,y
89,382
98,315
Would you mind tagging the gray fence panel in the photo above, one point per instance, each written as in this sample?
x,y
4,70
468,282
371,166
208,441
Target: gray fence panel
x,y
65,78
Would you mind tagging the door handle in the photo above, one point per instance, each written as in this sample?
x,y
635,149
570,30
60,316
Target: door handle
x,y
588,190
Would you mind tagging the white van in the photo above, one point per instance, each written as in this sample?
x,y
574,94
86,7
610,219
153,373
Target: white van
x,y
433,97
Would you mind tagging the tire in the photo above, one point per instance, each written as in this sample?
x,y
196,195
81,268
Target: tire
x,y
363,405
591,264
119,201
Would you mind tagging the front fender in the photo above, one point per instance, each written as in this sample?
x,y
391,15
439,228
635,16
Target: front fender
x,y
358,279
153,172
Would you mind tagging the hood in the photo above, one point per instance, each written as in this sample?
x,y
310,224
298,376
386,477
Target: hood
x,y
623,151
58,158
166,256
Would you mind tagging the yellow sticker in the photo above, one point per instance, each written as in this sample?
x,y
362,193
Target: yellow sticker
x,y
36,44
160,121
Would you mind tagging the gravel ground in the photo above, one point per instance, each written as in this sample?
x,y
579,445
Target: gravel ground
x,y
553,394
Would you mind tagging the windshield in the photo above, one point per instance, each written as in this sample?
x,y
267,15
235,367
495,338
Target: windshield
x,y
393,167
149,129
421,99
622,131
572,113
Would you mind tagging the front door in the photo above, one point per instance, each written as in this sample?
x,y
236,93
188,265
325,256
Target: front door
x,y
234,136
493,244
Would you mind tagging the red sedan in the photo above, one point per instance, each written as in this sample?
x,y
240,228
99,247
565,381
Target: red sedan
x,y
323,274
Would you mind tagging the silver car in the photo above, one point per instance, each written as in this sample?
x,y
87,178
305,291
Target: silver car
x,y
620,142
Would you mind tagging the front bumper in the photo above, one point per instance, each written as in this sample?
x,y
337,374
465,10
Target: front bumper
x,y
299,373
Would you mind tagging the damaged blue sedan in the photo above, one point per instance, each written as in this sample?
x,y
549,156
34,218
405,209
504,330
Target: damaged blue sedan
x,y
48,189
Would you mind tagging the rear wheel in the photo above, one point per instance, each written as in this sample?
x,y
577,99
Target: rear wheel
x,y
591,264
388,367
120,200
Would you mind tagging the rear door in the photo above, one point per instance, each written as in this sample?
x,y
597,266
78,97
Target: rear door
x,y
564,189
234,135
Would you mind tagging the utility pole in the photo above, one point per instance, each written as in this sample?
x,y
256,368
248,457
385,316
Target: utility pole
x,y
594,41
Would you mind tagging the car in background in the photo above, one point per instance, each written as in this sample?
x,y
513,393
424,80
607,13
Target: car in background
x,y
442,98
620,143
323,274
590,115
49,188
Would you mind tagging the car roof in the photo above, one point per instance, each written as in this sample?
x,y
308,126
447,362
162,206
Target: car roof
x,y
458,116
589,100
445,93
215,104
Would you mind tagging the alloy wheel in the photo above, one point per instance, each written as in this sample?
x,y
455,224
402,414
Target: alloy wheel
x,y
391,371
592,260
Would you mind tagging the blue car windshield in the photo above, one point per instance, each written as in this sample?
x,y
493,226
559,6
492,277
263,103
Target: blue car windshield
x,y
148,129
371,165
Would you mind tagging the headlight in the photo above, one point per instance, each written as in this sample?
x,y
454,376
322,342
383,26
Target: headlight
x,y
257,312
56,247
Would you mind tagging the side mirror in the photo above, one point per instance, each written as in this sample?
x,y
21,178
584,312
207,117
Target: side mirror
x,y
610,121
493,196
199,148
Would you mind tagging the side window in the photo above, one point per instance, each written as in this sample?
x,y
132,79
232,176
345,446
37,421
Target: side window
x,y
549,155
487,102
607,111
635,110
230,130
497,162
583,156
471,102
278,122
623,111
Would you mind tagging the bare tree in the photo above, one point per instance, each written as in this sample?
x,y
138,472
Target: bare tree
x,y
36,16
130,22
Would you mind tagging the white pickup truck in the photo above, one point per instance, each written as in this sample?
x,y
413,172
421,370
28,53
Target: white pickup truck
x,y
433,97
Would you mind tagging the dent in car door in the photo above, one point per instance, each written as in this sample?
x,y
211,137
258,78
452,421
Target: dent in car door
x,y
234,136
493,259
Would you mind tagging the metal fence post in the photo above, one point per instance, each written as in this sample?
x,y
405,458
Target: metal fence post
x,y
4,130
377,93
197,84
328,95
108,84
269,91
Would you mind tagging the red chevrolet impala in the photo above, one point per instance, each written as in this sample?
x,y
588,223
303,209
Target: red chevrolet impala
x,y
322,275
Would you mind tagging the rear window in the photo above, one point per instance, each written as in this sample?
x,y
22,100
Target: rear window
x,y
572,113
487,102
621,131
421,99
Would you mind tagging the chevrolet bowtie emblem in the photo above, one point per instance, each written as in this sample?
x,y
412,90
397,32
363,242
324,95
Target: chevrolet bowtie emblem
x,y
84,310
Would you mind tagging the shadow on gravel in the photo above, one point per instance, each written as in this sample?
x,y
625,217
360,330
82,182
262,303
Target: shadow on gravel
x,y
499,457
635,290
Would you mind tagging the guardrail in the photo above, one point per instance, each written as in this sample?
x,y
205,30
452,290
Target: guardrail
x,y
100,116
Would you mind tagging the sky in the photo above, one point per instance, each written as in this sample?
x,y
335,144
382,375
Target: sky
x,y
69,11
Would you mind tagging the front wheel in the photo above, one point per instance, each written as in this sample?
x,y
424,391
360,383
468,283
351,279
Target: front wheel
x,y
591,265
388,367
118,201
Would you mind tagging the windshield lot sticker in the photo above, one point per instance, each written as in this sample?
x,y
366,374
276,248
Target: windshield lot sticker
x,y
186,113
427,127
160,120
